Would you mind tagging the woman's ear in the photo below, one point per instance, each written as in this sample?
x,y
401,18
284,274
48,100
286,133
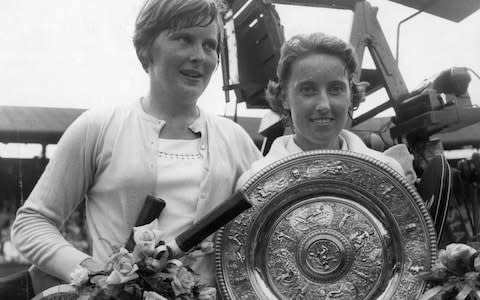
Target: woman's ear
x,y
362,86
284,101
358,93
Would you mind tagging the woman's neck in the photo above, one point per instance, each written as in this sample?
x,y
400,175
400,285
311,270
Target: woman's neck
x,y
305,145
178,118
170,110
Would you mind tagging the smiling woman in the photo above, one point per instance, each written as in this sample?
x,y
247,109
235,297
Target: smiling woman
x,y
161,144
316,94
178,46
318,97
182,62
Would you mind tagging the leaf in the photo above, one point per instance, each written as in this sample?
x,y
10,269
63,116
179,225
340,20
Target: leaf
x,y
464,292
475,294
96,279
162,287
435,291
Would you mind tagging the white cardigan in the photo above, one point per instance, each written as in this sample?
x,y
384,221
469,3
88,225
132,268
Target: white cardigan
x,y
108,157
285,146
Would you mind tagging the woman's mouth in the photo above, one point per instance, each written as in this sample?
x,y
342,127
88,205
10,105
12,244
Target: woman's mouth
x,y
194,74
322,121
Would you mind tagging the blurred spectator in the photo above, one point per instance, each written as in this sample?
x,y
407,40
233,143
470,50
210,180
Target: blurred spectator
x,y
74,231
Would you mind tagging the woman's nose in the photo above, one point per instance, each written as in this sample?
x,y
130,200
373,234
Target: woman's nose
x,y
197,53
322,102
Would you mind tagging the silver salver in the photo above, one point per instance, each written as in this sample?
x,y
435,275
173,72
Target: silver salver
x,y
327,225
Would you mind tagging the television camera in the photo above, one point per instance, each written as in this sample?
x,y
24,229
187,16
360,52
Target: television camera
x,y
441,105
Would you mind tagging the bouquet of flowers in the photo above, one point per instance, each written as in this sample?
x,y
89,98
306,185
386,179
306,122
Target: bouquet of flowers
x,y
146,273
456,275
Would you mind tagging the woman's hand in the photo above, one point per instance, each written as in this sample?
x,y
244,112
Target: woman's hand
x,y
92,265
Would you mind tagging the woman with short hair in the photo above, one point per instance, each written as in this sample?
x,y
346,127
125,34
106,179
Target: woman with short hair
x,y
316,93
161,144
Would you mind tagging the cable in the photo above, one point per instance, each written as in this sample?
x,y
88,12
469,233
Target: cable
x,y
397,58
473,72
20,171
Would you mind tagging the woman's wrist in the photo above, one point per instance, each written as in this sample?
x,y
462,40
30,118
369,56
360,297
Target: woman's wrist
x,y
92,265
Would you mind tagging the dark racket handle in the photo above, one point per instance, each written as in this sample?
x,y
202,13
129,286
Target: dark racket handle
x,y
210,223
150,211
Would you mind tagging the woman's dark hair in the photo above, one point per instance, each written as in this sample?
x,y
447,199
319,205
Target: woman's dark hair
x,y
156,16
301,45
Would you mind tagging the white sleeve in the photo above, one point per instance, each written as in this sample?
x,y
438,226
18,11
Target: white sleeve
x,y
58,192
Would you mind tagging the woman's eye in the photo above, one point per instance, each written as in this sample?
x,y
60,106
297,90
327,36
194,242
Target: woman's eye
x,y
307,90
181,38
336,89
211,46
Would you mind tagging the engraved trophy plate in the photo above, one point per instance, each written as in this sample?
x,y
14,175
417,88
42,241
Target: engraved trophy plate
x,y
326,225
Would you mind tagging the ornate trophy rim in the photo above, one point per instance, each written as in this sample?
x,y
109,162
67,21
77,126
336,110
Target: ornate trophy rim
x,y
336,241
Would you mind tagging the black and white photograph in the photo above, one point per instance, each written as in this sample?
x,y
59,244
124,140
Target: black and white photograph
x,y
240,149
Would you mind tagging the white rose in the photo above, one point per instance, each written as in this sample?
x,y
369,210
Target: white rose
x,y
144,239
152,296
207,247
124,268
456,257
79,276
207,293
183,281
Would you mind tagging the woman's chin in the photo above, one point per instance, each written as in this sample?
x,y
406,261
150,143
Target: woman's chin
x,y
325,141
189,93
